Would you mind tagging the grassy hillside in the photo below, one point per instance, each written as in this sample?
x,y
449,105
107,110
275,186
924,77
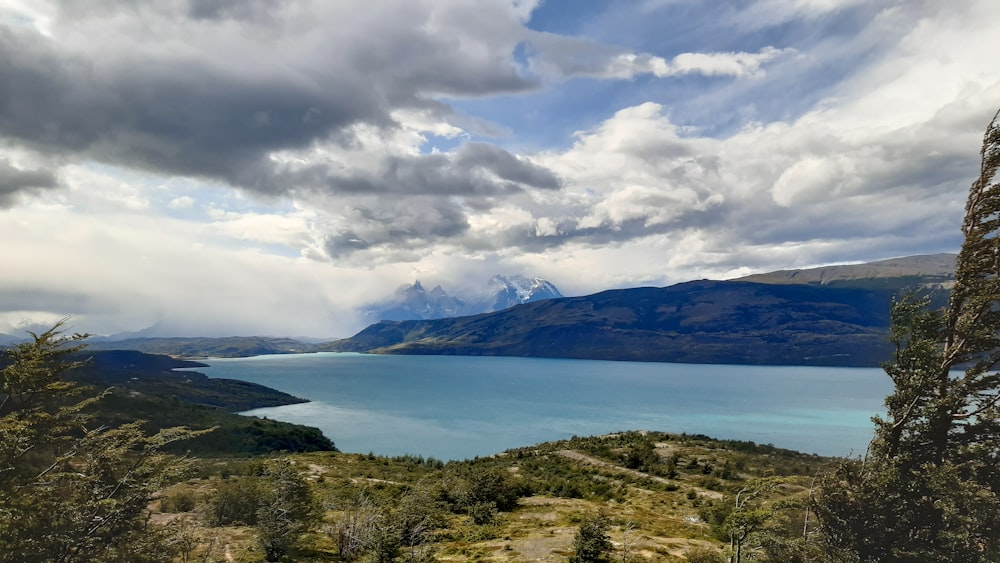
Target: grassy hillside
x,y
663,497
895,273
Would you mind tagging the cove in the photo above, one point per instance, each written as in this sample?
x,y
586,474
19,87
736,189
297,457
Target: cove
x,y
457,407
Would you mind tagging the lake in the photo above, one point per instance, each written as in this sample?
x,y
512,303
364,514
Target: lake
x,y
456,407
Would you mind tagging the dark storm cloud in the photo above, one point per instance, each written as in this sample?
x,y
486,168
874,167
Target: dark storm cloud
x,y
14,180
211,90
400,223
475,169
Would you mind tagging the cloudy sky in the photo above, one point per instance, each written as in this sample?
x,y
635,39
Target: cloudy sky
x,y
215,167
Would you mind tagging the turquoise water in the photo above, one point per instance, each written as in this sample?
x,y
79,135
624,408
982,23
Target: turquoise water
x,y
456,407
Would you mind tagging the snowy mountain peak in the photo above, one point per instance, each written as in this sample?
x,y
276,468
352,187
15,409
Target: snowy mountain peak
x,y
513,290
413,302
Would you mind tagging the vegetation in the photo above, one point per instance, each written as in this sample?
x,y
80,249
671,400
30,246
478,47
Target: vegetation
x,y
929,488
547,502
149,387
70,490
591,543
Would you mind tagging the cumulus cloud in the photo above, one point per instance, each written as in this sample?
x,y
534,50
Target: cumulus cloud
x,y
373,143
167,86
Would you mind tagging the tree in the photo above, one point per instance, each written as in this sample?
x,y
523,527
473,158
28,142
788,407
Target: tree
x,y
929,486
287,511
591,542
70,491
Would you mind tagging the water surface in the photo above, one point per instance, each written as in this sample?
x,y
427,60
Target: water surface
x,y
455,407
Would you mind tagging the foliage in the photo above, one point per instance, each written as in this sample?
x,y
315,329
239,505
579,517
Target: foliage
x,y
165,400
181,501
929,488
488,486
386,529
236,502
69,490
591,542
703,555
287,511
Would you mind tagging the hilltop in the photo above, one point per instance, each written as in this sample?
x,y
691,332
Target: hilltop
x,y
665,497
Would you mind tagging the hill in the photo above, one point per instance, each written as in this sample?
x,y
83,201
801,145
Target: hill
x,y
663,497
205,347
163,392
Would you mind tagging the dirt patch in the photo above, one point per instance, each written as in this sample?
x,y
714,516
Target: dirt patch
x,y
552,546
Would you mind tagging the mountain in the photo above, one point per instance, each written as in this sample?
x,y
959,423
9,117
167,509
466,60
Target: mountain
x,y
836,316
505,292
413,302
695,322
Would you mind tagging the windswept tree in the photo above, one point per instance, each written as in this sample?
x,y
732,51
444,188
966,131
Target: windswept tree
x,y
70,491
929,487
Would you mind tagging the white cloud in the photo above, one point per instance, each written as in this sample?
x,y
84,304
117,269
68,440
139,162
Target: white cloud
x,y
182,202
709,64
559,57
877,167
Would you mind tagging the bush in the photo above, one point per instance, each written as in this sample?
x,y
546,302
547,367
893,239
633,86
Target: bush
x,y
703,555
490,486
181,501
591,542
483,513
236,502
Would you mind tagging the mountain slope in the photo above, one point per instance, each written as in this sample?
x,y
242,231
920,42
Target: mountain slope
x,y
697,322
895,273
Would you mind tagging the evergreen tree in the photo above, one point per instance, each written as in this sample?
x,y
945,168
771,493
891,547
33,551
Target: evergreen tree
x,y
70,491
929,486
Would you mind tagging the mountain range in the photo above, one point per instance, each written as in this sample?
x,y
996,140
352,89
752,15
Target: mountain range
x,y
832,315
837,315
414,302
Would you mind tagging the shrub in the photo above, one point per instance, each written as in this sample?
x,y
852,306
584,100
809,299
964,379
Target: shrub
x,y
236,502
181,501
703,555
591,542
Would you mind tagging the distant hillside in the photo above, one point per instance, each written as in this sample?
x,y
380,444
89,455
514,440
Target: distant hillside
x,y
895,273
198,347
697,322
